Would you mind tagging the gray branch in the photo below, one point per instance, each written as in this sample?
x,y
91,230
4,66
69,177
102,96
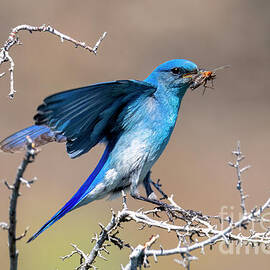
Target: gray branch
x,y
15,193
239,171
13,39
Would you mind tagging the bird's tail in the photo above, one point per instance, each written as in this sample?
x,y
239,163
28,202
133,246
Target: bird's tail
x,y
40,135
87,186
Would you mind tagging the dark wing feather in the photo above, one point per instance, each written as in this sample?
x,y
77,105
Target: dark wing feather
x,y
84,115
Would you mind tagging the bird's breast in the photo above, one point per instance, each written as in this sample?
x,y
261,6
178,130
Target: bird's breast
x,y
147,130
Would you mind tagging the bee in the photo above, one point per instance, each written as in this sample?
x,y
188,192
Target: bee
x,y
204,77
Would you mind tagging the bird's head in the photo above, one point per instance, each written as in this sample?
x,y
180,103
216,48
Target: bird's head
x,y
174,75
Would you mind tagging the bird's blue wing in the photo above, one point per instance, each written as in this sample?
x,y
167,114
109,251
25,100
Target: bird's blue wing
x,y
86,116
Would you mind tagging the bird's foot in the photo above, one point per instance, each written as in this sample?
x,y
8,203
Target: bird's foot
x,y
150,199
172,211
169,209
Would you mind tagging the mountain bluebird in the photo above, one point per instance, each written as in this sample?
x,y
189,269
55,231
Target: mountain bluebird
x,y
134,119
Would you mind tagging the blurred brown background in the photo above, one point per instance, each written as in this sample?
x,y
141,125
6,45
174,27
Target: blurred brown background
x,y
141,35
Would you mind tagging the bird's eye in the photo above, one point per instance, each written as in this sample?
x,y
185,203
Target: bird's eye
x,y
176,70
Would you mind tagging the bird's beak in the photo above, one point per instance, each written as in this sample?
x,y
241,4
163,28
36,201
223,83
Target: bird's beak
x,y
187,76
192,77
191,74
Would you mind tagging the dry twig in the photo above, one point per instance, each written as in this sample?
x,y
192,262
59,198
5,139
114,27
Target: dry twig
x,y
13,39
30,154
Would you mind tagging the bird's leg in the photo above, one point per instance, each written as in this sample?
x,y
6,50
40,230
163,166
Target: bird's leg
x,y
157,186
147,185
147,182
134,177
136,195
161,205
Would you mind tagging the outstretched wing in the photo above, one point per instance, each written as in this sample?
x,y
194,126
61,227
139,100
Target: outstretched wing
x,y
85,115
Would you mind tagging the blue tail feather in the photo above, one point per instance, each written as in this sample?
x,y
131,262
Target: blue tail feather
x,y
40,135
17,141
77,197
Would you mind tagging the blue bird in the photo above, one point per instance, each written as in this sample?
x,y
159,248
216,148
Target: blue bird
x,y
134,119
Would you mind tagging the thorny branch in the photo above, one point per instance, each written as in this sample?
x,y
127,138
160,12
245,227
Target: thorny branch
x,y
239,171
30,154
13,39
195,231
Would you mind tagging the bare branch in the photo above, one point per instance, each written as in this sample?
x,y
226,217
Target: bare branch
x,y
23,234
28,183
10,187
13,252
13,39
239,171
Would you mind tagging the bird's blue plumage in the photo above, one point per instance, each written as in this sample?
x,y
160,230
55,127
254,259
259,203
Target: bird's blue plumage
x,y
85,115
39,134
77,197
135,119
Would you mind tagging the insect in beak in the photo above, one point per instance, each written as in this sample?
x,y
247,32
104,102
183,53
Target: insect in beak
x,y
203,77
